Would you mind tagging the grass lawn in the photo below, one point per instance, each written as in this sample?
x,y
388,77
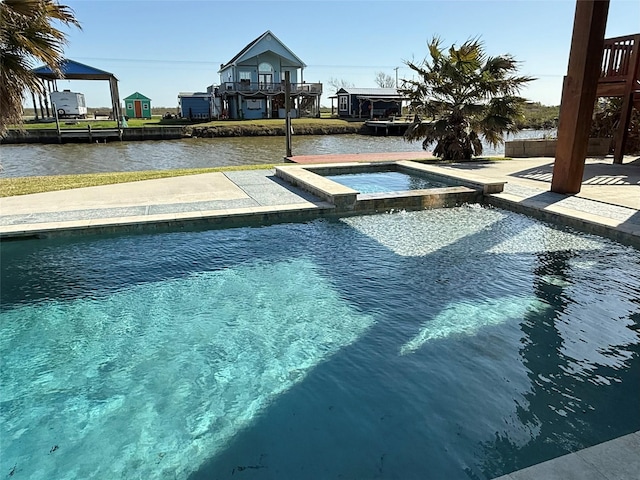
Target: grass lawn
x,y
158,121
10,187
25,185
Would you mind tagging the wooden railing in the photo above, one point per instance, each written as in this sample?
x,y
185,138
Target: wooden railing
x,y
616,59
271,88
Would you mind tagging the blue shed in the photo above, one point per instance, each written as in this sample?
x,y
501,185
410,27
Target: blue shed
x,y
196,106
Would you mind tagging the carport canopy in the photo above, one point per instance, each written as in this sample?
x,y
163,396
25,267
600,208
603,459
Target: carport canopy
x,y
72,70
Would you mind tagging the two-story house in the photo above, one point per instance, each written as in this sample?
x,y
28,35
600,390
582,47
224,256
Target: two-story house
x,y
252,84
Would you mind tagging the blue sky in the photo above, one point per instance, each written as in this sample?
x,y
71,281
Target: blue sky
x,y
162,47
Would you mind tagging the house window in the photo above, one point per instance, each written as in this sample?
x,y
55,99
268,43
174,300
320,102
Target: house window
x,y
245,76
145,106
265,68
253,104
265,75
130,106
343,103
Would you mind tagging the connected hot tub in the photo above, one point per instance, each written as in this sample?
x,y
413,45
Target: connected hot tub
x,y
375,186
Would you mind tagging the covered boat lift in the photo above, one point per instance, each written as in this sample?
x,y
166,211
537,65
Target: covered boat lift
x,y
72,70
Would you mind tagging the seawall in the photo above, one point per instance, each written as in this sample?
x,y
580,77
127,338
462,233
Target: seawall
x,y
91,135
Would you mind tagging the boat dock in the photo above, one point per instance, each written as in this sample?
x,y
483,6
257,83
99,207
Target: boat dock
x,y
91,135
389,127
360,157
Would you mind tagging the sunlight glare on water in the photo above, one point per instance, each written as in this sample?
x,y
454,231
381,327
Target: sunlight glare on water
x,y
188,361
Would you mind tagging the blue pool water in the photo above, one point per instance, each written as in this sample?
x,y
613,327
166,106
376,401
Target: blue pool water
x,y
385,181
455,343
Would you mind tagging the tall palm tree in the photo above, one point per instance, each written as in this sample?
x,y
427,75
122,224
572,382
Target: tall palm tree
x,y
28,34
461,96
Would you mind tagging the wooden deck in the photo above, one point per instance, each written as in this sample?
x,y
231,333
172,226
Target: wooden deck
x,y
620,70
620,77
388,127
359,157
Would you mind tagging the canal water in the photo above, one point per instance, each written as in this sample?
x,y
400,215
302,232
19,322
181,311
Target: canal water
x,y
52,159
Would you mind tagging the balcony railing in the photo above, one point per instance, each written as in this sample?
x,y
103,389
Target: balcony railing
x,y
271,88
617,57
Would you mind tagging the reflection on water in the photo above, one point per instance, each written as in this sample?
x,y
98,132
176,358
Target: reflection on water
x,y
36,159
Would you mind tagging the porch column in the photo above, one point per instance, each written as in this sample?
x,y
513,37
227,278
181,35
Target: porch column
x,y
579,94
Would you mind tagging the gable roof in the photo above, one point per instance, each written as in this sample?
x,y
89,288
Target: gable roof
x,y
73,70
255,42
137,96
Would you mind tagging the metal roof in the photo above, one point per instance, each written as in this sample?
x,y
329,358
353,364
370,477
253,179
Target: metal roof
x,y
137,96
371,92
195,94
72,70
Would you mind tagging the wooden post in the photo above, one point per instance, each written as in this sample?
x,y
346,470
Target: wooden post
x,y
55,110
35,107
287,108
47,95
579,94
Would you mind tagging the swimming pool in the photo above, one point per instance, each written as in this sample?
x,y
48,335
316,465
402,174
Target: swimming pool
x,y
385,181
453,343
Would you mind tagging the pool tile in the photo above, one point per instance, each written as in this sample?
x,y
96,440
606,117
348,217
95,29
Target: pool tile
x,y
568,467
617,459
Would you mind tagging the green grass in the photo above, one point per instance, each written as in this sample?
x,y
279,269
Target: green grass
x,y
134,122
154,122
26,185
10,187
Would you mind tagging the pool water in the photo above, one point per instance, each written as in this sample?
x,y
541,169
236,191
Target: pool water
x,y
385,181
455,343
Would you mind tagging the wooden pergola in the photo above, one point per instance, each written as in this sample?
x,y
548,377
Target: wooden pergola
x,y
597,67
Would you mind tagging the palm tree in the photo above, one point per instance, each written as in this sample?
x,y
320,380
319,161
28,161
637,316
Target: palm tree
x,y
463,95
28,35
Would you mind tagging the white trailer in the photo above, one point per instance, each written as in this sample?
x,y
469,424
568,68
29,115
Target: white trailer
x,y
69,104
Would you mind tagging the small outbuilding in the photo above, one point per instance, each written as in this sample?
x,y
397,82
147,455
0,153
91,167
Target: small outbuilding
x,y
368,102
199,105
137,106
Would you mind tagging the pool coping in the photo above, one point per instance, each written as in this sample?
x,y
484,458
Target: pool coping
x,y
312,178
222,218
616,458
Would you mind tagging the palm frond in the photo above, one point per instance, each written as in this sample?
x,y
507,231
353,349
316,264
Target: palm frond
x,y
28,35
467,95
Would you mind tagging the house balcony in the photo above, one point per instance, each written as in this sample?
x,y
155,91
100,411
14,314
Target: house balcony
x,y
246,87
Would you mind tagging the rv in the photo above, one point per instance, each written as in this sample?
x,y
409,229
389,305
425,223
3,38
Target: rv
x,y
69,104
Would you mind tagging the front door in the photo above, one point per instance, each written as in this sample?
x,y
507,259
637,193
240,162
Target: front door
x,y
277,102
137,106
265,79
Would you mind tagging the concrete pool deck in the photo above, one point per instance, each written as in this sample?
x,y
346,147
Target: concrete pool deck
x,y
609,203
617,459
